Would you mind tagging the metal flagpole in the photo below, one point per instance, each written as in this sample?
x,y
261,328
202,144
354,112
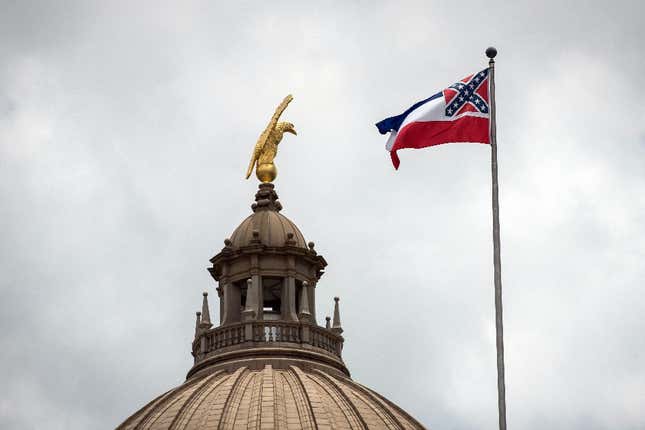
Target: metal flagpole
x,y
497,263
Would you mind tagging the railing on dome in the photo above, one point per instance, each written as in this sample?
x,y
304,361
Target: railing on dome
x,y
221,337
276,331
266,332
325,339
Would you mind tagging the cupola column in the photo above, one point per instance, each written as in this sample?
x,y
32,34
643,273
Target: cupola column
x,y
288,299
303,312
255,293
250,310
229,294
225,297
311,292
248,315
231,303
258,296
231,300
220,295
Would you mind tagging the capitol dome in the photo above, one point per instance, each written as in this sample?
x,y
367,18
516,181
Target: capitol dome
x,y
295,397
268,364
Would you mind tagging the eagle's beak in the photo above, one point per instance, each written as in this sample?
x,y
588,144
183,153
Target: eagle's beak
x,y
292,131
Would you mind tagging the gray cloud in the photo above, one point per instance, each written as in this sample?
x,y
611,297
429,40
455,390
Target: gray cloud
x,y
124,133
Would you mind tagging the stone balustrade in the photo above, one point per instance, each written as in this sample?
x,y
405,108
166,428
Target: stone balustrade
x,y
276,331
264,333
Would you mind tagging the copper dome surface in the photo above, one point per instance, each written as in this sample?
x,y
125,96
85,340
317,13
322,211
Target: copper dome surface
x,y
270,398
272,228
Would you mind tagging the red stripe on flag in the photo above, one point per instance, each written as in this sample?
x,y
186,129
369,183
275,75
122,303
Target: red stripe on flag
x,y
471,129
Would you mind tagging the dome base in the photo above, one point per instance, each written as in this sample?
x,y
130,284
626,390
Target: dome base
x,y
290,397
279,356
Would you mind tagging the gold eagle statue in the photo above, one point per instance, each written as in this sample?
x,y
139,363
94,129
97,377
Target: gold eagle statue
x,y
267,146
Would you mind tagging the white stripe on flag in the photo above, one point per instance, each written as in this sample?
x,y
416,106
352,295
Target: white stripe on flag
x,y
390,141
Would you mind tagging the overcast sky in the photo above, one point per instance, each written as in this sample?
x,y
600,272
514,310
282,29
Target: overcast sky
x,y
125,131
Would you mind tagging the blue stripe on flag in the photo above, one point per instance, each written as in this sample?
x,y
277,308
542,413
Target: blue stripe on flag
x,y
394,122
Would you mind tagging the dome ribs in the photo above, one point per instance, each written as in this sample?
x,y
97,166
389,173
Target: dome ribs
x,y
166,420
267,400
273,229
242,231
157,410
302,417
271,398
280,401
215,401
253,418
315,401
374,414
132,421
400,414
191,404
234,401
296,231
344,403
282,236
241,417
296,414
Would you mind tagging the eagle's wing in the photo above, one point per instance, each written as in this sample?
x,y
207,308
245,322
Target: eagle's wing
x,y
256,153
265,134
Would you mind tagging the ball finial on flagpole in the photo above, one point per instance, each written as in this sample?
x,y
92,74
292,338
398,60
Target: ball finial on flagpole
x,y
491,52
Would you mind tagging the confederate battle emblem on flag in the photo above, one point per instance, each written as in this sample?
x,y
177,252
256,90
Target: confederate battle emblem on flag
x,y
468,95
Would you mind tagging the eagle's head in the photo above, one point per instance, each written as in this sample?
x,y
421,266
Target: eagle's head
x,y
286,127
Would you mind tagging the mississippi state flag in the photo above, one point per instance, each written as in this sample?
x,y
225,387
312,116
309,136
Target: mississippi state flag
x,y
460,113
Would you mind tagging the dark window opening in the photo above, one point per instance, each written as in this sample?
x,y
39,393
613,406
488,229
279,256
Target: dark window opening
x,y
272,297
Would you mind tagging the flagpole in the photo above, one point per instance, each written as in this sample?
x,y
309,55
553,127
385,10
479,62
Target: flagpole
x,y
497,263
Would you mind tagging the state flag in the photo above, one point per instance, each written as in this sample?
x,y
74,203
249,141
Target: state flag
x,y
458,114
